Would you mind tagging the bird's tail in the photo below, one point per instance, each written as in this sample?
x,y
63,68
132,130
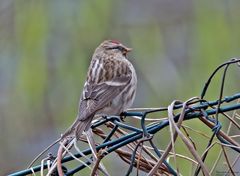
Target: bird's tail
x,y
77,128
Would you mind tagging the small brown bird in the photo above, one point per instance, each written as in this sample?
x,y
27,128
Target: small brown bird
x,y
110,87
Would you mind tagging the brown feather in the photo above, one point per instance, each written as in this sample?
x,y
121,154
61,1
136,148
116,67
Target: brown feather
x,y
111,77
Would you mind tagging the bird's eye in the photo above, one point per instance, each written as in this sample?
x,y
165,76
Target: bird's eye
x,y
120,48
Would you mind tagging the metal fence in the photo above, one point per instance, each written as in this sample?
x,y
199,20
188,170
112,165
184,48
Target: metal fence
x,y
134,144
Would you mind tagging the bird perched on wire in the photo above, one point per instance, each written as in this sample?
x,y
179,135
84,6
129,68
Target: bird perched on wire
x,y
110,87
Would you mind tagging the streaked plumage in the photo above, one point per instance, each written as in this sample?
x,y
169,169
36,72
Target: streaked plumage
x,y
110,87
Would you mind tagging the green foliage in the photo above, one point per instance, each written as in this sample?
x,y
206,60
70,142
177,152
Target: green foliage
x,y
31,36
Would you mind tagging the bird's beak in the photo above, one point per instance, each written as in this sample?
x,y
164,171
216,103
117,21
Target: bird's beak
x,y
126,50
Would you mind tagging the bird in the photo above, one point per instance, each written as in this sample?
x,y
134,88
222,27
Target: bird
x,y
109,89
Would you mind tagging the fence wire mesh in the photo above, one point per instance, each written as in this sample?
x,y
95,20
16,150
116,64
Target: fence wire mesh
x,y
138,145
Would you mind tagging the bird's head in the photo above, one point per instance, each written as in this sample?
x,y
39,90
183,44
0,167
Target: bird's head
x,y
113,46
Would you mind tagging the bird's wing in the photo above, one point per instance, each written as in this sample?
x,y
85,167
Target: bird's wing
x,y
96,96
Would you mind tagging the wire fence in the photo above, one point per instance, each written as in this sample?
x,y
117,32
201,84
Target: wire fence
x,y
136,146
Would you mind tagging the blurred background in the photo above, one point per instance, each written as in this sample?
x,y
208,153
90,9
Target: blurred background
x,y
46,47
